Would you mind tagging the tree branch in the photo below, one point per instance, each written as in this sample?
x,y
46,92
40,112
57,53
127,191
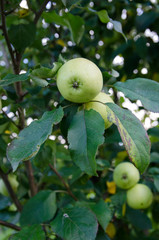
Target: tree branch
x,y
4,29
5,114
10,190
38,14
33,186
64,183
10,225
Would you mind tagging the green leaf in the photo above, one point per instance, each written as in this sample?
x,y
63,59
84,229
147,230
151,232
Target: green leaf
x,y
30,138
103,16
76,223
33,232
118,27
12,78
39,81
4,202
156,182
146,90
44,72
74,23
22,35
85,134
39,209
138,219
102,212
133,135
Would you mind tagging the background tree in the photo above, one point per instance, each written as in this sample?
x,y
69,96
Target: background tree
x,y
47,189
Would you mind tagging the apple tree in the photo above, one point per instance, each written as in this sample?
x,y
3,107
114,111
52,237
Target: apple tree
x,y
79,135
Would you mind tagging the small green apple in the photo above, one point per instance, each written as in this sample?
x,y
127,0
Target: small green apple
x,y
100,107
14,183
139,197
79,80
126,175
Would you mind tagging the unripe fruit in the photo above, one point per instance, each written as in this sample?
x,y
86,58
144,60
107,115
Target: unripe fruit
x,y
79,80
126,175
100,107
139,197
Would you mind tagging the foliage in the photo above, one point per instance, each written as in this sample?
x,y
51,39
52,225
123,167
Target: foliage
x,y
61,154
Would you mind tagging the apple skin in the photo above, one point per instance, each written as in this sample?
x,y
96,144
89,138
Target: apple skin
x,y
79,80
126,175
14,183
139,196
99,107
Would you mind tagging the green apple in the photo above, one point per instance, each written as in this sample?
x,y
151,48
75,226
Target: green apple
x,y
14,183
126,175
79,80
139,197
100,107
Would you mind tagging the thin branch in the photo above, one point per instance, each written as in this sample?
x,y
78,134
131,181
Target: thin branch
x,y
33,186
4,28
4,113
10,190
64,183
38,14
10,225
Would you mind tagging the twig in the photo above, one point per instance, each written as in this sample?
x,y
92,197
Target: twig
x,y
10,225
64,183
38,14
4,113
4,28
33,186
10,190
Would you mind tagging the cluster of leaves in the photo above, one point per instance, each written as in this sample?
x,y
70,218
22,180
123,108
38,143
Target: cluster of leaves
x,y
71,153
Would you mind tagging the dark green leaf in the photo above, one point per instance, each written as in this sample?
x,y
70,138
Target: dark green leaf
x,y
22,35
146,90
12,78
4,202
138,219
74,23
103,213
76,223
133,134
39,209
33,232
84,136
30,139
156,183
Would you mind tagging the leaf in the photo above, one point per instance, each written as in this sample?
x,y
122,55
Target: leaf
x,y
33,232
85,134
138,219
103,16
39,209
133,135
44,72
103,213
75,223
74,23
12,78
146,90
156,182
118,27
22,35
39,81
4,202
30,138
